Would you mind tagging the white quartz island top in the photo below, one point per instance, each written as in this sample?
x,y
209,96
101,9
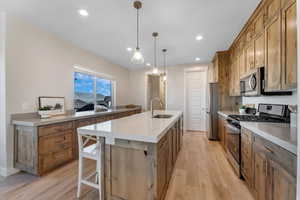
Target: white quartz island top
x,y
278,133
139,127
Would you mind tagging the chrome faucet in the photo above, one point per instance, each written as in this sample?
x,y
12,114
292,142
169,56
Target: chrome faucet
x,y
152,100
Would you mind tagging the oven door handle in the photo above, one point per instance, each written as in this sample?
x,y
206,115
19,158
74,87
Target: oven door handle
x,y
233,130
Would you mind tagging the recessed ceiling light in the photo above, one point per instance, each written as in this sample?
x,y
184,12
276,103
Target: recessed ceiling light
x,y
197,59
83,12
148,64
199,37
129,49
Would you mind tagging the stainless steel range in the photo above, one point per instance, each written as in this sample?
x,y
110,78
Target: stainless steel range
x,y
271,113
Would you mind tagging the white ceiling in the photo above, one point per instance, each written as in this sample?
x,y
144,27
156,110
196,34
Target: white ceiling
x,y
111,26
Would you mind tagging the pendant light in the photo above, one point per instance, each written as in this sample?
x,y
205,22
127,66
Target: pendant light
x,y
155,69
165,65
137,57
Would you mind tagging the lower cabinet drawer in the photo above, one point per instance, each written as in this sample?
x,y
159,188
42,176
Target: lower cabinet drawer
x,y
52,160
55,128
55,143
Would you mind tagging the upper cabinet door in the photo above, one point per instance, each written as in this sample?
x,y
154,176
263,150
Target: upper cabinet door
x,y
242,63
259,46
273,55
259,24
289,42
250,57
272,10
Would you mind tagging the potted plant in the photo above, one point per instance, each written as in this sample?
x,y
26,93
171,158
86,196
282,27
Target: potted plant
x,y
242,109
45,111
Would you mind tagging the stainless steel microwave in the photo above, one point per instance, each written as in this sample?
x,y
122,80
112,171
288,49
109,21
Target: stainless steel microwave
x,y
254,85
251,85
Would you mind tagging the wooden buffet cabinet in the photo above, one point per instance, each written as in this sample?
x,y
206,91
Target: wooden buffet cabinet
x,y
269,170
41,149
269,39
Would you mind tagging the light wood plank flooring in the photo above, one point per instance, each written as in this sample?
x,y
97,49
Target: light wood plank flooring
x,y
201,173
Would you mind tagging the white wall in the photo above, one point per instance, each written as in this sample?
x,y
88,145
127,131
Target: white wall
x,y
175,86
2,97
298,103
40,64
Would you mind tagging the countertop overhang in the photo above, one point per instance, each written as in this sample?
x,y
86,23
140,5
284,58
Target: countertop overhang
x,y
140,127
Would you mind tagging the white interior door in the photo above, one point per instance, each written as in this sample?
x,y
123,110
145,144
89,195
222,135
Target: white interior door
x,y
196,100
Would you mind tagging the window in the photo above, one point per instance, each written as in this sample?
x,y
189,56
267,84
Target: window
x,y
91,90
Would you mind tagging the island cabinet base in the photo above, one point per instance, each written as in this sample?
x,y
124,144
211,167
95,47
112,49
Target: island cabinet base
x,y
139,170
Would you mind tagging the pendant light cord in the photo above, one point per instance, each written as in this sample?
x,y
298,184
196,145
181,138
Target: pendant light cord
x,y
155,62
165,62
137,29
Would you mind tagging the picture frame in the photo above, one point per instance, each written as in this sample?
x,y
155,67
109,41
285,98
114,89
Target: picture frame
x,y
51,105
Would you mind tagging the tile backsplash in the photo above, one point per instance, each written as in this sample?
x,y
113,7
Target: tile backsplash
x,y
289,100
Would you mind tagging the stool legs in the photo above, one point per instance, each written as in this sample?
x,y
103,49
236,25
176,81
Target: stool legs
x,y
80,167
99,178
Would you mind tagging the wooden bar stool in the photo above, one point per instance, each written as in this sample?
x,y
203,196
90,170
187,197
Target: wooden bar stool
x,y
93,152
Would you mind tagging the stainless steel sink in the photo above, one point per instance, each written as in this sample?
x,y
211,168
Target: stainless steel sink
x,y
162,116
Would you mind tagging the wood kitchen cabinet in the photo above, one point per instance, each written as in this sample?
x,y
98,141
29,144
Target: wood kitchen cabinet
x,y
55,146
242,64
281,46
259,172
234,76
222,131
281,185
271,9
273,55
222,73
269,170
269,40
246,156
259,51
213,71
289,45
259,23
250,57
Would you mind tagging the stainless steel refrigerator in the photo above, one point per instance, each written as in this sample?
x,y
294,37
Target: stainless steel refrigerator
x,y
212,110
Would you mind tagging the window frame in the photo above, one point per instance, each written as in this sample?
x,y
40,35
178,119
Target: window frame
x,y
96,75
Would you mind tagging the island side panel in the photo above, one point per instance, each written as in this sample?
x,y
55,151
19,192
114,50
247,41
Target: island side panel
x,y
152,171
127,170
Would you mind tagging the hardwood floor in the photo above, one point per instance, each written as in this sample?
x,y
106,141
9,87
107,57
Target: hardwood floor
x,y
201,173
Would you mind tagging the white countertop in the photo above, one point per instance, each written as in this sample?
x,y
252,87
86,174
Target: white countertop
x,y
278,133
140,127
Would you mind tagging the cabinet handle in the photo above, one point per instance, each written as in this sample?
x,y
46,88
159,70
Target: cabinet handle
x,y
268,149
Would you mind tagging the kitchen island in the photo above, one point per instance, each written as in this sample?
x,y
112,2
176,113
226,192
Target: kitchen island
x,y
138,154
